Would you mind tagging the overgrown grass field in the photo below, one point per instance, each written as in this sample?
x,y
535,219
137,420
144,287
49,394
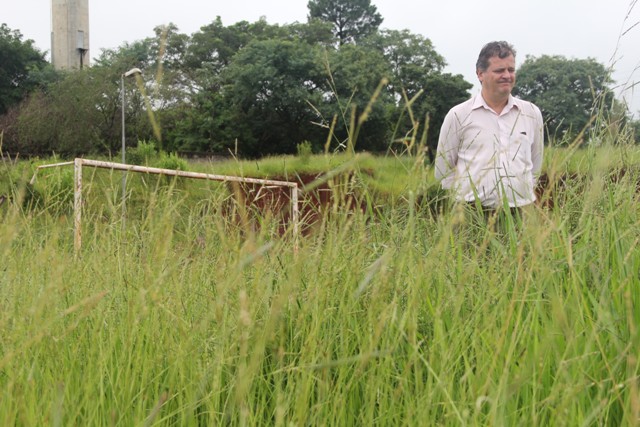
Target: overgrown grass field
x,y
185,315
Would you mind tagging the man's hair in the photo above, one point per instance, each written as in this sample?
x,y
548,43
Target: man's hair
x,y
500,49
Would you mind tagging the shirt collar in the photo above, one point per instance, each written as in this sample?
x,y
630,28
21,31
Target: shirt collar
x,y
479,102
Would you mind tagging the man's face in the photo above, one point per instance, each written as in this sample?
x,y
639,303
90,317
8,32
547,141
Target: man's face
x,y
499,77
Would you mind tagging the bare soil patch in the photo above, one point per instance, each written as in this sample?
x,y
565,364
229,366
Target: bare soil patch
x,y
317,196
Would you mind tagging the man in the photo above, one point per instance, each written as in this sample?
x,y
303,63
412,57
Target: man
x,y
490,146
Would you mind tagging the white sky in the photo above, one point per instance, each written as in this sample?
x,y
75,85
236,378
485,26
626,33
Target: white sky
x,y
457,28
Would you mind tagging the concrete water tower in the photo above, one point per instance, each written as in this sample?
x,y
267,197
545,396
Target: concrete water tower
x,y
69,34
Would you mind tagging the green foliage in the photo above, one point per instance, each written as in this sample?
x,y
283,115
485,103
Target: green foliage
x,y
212,120
315,32
569,92
411,58
79,113
170,46
254,89
349,91
215,45
74,111
352,20
21,62
142,154
171,161
422,92
304,150
270,89
51,192
245,102
185,315
12,178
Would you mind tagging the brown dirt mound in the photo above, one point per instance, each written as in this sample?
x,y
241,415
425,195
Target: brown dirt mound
x,y
317,195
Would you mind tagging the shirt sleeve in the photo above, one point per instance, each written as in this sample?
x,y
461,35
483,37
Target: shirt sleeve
x,y
447,151
537,147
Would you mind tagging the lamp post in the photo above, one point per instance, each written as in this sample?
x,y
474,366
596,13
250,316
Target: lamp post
x,y
131,72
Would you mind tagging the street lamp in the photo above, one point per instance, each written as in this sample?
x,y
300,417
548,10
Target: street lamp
x,y
131,72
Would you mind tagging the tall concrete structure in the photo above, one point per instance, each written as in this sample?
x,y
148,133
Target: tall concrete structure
x,y
69,34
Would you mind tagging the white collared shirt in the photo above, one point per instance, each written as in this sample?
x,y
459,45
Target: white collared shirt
x,y
489,155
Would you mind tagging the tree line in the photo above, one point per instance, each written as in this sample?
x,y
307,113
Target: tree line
x,y
258,89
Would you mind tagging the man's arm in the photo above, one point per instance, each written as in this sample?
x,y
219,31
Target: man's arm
x,y
447,152
537,148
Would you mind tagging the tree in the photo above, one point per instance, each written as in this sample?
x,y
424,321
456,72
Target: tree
x,y
268,90
215,45
352,20
71,118
268,87
416,71
19,60
168,83
168,46
347,87
315,32
210,120
78,112
568,91
411,58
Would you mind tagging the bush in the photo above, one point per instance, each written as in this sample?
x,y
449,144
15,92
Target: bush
x,y
304,151
171,161
143,154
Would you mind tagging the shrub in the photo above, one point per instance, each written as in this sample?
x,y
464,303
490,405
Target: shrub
x,y
304,150
143,154
171,161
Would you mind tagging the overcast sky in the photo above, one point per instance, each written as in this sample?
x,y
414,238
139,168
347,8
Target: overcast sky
x,y
600,29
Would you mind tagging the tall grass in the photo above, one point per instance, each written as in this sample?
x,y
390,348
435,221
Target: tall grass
x,y
192,314
189,317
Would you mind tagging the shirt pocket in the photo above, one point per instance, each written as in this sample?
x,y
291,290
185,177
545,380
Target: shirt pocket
x,y
520,147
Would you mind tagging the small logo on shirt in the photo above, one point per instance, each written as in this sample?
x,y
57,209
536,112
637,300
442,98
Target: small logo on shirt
x,y
523,133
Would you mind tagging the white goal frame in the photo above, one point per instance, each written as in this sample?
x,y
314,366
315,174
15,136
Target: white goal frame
x,y
77,188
